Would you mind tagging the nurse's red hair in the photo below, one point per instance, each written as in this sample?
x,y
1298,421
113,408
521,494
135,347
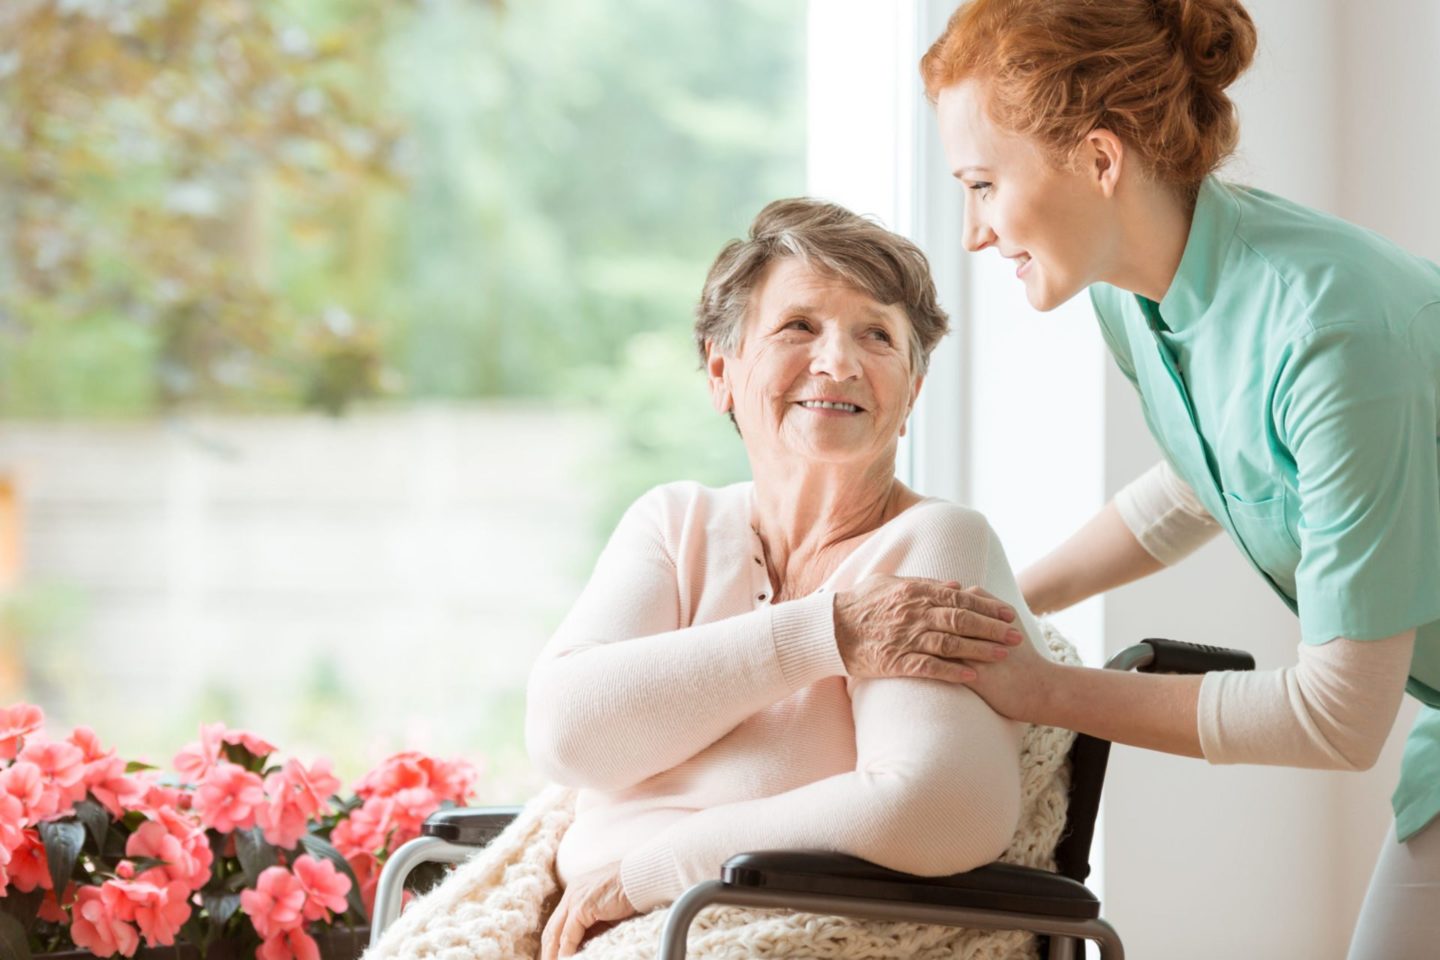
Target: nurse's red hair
x,y
1153,72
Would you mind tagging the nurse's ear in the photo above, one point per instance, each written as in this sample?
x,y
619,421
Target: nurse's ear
x,y
1102,157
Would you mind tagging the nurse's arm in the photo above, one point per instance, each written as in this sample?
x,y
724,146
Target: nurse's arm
x,y
1152,523
1332,710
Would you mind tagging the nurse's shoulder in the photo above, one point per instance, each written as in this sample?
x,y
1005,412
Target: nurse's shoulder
x,y
1328,271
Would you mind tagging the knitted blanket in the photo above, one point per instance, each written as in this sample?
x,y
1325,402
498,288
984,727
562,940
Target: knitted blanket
x,y
494,906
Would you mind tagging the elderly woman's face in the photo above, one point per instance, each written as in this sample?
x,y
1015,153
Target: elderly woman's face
x,y
823,370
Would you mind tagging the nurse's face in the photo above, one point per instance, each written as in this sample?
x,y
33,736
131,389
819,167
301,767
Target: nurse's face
x,y
1053,224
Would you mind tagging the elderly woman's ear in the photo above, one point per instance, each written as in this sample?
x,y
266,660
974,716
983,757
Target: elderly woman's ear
x,y
910,407
720,394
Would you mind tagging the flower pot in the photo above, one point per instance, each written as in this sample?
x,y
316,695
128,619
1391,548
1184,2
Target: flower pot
x,y
340,943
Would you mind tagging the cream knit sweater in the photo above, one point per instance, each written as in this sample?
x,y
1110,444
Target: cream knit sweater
x,y
700,719
494,906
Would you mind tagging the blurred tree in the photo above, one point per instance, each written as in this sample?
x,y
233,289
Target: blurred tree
x,y
280,203
135,139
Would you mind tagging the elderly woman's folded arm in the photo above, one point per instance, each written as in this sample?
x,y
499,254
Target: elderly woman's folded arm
x,y
935,790
621,693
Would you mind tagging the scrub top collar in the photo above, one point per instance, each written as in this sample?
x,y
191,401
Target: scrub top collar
x,y
1212,229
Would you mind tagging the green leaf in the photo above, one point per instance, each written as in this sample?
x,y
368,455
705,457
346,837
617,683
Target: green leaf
x,y
14,944
97,822
135,766
22,906
63,840
142,864
254,853
220,907
320,847
193,930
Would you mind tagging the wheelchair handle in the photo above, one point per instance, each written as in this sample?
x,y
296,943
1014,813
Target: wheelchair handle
x,y
1158,655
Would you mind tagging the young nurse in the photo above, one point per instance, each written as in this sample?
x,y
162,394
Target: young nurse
x,y
1288,364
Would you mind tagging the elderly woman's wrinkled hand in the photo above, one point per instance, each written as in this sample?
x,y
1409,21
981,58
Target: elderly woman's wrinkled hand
x,y
911,627
594,899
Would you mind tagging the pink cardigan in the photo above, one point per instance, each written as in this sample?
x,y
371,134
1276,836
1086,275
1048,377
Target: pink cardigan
x,y
701,719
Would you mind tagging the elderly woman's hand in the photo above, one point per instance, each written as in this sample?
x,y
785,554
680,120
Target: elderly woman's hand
x,y
910,627
592,899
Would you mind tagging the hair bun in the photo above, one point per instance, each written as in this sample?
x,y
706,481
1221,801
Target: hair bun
x,y
1216,37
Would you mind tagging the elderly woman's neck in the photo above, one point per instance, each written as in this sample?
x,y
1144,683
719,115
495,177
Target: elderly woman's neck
x,y
807,517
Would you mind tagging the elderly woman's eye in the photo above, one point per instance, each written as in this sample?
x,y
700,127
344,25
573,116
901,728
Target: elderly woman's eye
x,y
882,335
797,323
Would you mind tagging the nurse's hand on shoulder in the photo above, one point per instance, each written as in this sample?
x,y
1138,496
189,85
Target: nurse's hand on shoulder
x,y
1017,687
913,627
592,903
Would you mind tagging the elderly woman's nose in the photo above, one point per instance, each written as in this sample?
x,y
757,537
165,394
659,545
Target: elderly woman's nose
x,y
836,355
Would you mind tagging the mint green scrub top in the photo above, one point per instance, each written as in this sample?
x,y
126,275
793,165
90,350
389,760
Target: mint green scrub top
x,y
1291,376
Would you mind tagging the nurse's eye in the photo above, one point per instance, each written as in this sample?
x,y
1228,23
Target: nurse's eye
x,y
981,186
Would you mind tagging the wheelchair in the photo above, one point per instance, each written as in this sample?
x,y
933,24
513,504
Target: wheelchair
x,y
1057,906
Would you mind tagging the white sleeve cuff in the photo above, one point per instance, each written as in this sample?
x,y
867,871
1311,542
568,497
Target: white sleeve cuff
x,y
1164,514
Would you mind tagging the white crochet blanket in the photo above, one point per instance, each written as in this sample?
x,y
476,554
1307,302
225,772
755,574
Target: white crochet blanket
x,y
494,906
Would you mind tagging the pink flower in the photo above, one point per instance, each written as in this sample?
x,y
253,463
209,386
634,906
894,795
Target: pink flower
x,y
25,782
195,760
290,945
159,797
89,744
104,775
108,783
29,868
16,723
293,797
97,925
227,797
258,746
366,867
12,820
276,903
52,910
325,887
179,842
368,828
62,768
448,780
158,909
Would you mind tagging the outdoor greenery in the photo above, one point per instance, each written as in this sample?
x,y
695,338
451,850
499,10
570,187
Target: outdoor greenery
x,y
288,205
278,204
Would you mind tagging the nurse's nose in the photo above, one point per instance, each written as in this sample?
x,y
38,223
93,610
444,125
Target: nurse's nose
x,y
977,234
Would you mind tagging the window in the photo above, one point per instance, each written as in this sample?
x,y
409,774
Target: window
x,y
338,334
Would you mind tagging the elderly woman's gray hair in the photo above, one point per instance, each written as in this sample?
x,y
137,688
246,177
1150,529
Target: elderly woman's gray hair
x,y
831,240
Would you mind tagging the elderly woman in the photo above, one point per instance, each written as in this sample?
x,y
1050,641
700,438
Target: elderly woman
x,y
719,685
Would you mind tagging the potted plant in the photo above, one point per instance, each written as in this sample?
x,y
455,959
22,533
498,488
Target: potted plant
x,y
233,855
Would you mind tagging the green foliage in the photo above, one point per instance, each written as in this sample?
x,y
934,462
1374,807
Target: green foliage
x,y
276,204
137,144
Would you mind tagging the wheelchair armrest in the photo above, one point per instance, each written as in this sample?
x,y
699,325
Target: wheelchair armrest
x,y
1174,656
997,886
1157,655
469,826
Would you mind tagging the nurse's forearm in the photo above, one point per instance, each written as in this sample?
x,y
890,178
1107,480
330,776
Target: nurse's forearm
x,y
1154,711
1101,555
